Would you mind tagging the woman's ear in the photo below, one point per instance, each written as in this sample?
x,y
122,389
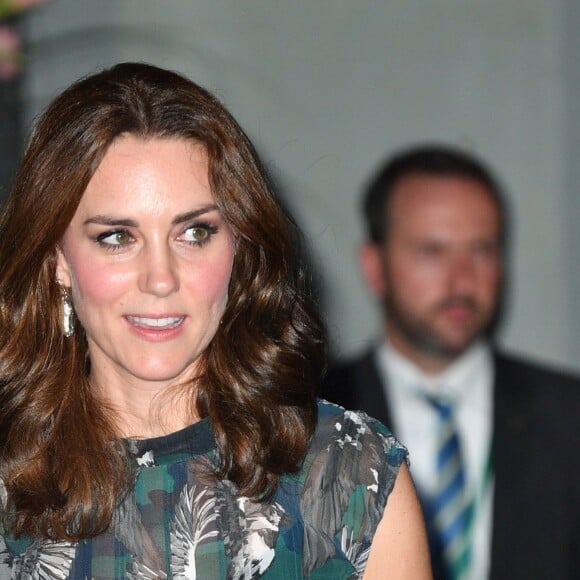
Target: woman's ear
x,y
62,269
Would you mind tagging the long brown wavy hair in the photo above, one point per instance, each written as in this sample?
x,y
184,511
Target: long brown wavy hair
x,y
62,461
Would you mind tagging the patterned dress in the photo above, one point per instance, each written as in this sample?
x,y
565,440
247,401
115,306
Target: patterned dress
x,y
179,524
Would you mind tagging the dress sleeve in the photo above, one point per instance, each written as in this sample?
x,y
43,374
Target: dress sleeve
x,y
5,558
349,483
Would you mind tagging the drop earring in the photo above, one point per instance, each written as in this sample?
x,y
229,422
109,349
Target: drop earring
x,y
68,326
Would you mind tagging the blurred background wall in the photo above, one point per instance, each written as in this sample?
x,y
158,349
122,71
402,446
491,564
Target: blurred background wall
x,y
326,89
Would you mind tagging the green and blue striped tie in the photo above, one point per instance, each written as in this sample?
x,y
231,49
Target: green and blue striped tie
x,y
449,512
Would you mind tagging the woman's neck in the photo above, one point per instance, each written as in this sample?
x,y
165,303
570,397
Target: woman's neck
x,y
146,410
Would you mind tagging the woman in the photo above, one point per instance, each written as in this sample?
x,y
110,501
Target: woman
x,y
159,360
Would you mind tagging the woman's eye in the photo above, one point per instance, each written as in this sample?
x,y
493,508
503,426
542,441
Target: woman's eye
x,y
119,238
199,233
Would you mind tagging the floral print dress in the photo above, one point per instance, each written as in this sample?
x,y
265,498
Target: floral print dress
x,y
177,523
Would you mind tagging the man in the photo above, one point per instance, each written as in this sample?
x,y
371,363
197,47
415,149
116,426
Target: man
x,y
492,439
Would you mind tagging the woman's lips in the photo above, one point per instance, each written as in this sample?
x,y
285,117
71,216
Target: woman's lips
x,y
156,322
156,327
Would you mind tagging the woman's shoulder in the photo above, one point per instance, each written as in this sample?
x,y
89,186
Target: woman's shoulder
x,y
366,436
351,454
347,475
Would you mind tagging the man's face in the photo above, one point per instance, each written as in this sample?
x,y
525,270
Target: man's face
x,y
440,266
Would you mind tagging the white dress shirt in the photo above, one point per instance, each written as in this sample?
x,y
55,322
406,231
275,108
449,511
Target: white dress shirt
x,y
468,382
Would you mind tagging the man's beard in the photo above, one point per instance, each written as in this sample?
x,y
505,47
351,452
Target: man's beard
x,y
421,334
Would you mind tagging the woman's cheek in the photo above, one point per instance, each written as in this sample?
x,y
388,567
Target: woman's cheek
x,y
97,282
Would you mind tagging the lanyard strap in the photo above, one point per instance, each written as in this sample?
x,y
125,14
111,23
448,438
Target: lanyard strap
x,y
478,496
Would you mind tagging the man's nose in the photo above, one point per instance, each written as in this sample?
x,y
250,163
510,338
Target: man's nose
x,y
462,273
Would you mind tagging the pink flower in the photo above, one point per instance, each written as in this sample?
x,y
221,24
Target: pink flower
x,y
9,40
9,53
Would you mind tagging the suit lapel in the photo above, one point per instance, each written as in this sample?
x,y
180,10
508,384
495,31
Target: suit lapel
x,y
510,419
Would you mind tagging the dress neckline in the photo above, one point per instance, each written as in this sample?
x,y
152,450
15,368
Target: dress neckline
x,y
193,440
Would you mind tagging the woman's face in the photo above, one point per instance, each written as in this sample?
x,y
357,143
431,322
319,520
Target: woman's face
x,y
148,259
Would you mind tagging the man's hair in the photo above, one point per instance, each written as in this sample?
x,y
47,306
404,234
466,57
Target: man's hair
x,y
62,460
428,160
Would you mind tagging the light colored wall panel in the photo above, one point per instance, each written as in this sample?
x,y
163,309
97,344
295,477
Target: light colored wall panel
x,y
327,88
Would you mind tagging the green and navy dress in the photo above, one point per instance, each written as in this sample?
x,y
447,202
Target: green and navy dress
x,y
178,523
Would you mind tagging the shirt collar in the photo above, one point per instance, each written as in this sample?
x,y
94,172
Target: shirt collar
x,y
454,382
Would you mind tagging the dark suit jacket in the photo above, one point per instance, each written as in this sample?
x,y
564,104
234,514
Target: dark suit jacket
x,y
536,459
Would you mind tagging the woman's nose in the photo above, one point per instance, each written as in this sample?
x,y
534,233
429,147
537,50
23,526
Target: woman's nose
x,y
159,274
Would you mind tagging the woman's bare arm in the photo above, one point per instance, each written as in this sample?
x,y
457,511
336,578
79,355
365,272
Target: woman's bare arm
x,y
399,550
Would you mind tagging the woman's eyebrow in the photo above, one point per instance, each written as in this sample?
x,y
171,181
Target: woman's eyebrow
x,y
185,217
110,220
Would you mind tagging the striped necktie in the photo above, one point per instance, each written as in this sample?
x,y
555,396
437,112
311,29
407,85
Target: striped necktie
x,y
449,512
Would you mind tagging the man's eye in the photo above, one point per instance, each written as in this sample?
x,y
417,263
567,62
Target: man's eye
x,y
118,238
485,249
430,251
